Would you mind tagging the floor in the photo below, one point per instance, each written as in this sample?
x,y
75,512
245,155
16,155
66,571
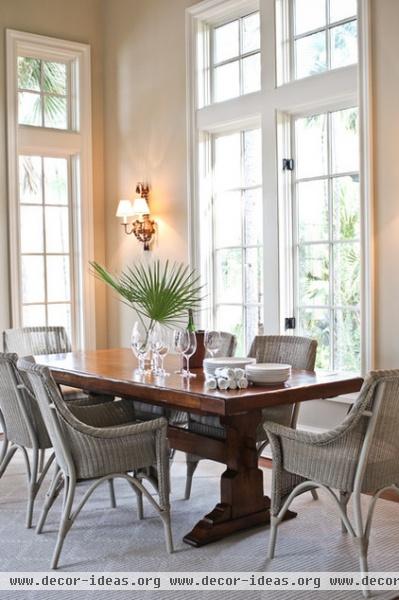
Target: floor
x,y
105,539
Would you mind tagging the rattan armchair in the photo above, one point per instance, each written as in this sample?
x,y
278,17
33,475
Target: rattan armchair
x,y
25,428
300,353
96,443
361,455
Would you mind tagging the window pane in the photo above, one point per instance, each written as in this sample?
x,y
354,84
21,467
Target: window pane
x,y
310,55
347,274
30,179
228,161
55,77
347,340
228,275
31,222
227,219
254,276
29,73
226,42
29,109
343,45
58,278
252,157
345,141
33,315
311,146
254,323
56,181
250,33
342,9
227,81
253,217
60,315
55,112
57,229
315,323
309,14
346,204
32,278
314,274
251,73
313,210
230,319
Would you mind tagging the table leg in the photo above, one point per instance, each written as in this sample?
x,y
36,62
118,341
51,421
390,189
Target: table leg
x,y
242,502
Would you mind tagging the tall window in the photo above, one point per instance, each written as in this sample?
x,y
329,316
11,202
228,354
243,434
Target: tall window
x,y
237,234
50,187
300,250
327,235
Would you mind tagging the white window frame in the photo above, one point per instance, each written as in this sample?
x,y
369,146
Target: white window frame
x,y
76,144
273,105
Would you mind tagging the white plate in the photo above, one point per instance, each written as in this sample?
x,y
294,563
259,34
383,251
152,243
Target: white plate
x,y
231,362
269,367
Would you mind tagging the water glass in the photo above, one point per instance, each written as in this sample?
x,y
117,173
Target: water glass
x,y
212,342
141,344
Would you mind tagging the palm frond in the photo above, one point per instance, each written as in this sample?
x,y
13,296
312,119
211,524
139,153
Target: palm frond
x,y
162,293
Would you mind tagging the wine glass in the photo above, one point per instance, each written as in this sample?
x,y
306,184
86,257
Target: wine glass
x,y
160,346
180,342
190,348
212,342
140,343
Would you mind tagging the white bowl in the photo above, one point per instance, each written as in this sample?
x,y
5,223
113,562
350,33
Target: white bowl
x,y
230,362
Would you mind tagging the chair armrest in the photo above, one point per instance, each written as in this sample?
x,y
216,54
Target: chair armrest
x,y
297,435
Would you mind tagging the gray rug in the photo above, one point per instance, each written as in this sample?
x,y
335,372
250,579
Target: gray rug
x,y
105,539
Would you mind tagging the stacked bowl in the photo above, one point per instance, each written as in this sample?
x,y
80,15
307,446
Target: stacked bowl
x,y
228,362
267,373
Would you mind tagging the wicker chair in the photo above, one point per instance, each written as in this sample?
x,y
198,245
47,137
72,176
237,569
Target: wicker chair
x,y
31,341
361,455
25,428
300,353
98,443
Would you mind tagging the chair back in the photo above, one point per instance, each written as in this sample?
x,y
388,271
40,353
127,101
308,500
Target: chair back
x,y
380,450
299,352
27,341
51,404
228,345
23,421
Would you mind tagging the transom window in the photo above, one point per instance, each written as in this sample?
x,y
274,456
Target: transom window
x,y
324,35
236,58
327,235
43,93
237,235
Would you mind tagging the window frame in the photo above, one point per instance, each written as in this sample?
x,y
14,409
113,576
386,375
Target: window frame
x,y
278,99
73,143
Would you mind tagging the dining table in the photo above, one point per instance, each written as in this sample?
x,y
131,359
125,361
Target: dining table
x,y
243,503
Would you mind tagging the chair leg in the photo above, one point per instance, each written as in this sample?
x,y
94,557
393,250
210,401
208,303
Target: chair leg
x,y
33,486
42,458
191,467
168,531
343,500
65,523
112,493
172,453
314,494
361,538
273,536
53,491
4,446
139,496
8,456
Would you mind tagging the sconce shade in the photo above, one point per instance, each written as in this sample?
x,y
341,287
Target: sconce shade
x,y
124,209
140,206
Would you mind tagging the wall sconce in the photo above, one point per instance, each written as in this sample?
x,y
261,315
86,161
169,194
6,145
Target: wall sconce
x,y
144,228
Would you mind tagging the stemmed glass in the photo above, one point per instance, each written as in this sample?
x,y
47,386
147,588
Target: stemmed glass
x,y
212,342
160,348
185,344
140,343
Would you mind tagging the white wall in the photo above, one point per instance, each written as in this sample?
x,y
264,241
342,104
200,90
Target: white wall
x,y
72,20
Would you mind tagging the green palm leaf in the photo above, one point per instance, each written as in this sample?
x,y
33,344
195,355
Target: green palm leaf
x,y
161,293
